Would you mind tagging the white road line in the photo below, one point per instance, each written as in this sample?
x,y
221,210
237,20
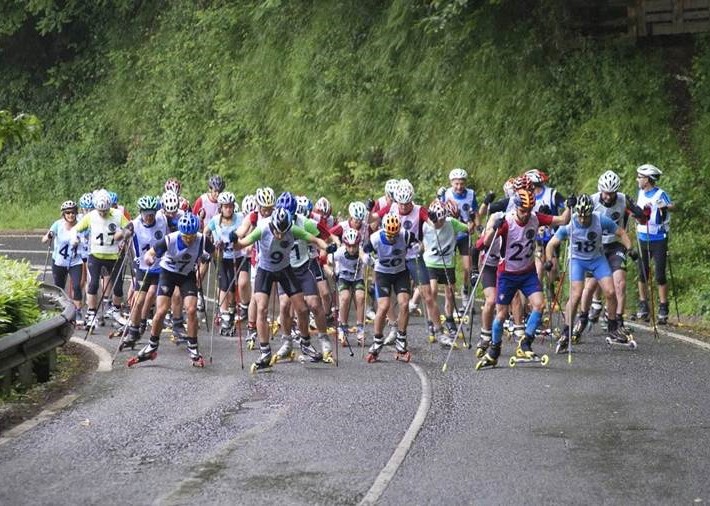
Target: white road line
x,y
680,337
383,479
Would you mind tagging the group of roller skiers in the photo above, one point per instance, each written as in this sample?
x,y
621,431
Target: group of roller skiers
x,y
291,250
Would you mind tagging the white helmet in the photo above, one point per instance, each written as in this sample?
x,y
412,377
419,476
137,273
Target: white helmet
x,y
609,182
509,188
650,171
102,200
322,205
303,205
357,211
170,201
265,197
458,173
404,192
226,198
534,176
391,187
249,204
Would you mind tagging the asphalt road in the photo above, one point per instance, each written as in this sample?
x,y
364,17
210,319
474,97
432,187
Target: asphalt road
x,y
614,426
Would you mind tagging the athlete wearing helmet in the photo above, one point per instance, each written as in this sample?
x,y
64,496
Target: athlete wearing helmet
x,y
287,200
516,270
357,221
147,229
468,213
249,204
439,240
350,270
386,199
170,209
617,206
178,254
390,245
303,205
206,204
585,232
652,234
174,185
66,261
275,241
106,228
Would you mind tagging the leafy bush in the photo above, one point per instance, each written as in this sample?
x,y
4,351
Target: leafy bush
x,y
18,295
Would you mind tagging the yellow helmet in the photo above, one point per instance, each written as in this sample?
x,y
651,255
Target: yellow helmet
x,y
391,224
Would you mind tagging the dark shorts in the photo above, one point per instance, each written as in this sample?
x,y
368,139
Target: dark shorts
x,y
286,279
168,280
351,286
616,256
418,271
316,269
443,276
489,276
97,268
658,252
60,275
142,282
308,281
463,246
386,283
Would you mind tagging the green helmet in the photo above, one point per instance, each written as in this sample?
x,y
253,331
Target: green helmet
x,y
148,203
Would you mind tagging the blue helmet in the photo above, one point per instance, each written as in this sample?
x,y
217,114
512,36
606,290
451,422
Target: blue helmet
x,y
114,198
86,201
188,224
281,221
287,201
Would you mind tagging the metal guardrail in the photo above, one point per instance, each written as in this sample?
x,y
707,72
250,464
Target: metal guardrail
x,y
30,353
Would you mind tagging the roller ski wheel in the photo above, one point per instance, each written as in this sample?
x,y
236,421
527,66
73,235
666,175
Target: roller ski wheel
x,y
115,333
290,357
256,367
404,356
305,359
630,344
486,362
177,339
251,344
127,343
198,362
431,338
535,359
328,357
371,358
142,358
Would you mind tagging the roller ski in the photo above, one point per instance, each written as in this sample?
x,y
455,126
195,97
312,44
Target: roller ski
x,y
432,332
149,352
525,355
446,341
662,318
620,338
310,354
374,352
226,324
360,335
489,357
482,347
642,311
285,352
264,362
414,310
130,339
251,338
392,335
595,311
178,334
401,352
197,359
93,320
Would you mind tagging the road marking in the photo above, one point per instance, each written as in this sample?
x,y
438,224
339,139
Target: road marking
x,y
24,251
680,337
383,479
67,400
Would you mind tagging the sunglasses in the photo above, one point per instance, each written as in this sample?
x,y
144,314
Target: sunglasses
x,y
69,212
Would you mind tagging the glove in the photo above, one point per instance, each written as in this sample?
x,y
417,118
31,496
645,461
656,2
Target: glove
x,y
489,198
498,223
440,192
633,254
205,258
369,204
571,201
647,211
545,209
50,235
547,265
432,216
332,247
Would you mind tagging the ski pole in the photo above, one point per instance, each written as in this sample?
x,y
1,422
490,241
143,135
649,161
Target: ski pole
x,y
46,258
134,305
451,287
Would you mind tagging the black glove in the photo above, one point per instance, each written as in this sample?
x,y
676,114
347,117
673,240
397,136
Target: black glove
x,y
432,216
50,235
489,198
332,247
547,265
545,209
440,192
369,204
498,223
571,201
205,258
633,254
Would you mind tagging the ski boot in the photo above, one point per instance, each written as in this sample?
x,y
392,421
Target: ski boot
x,y
149,352
662,318
446,341
326,349
265,360
360,335
618,337
642,312
375,349
400,345
309,353
226,324
489,358
251,338
343,335
197,360
595,311
450,326
242,312
200,301
142,326
92,320
178,333
414,310
432,332
130,339
392,336
524,353
370,316
482,345
580,326
285,352
79,322
563,342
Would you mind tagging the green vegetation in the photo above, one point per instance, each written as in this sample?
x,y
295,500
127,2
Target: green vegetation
x,y
334,98
18,296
